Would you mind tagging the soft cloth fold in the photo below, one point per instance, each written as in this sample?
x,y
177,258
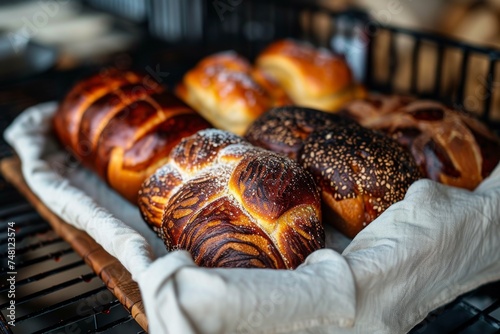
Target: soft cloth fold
x,y
424,251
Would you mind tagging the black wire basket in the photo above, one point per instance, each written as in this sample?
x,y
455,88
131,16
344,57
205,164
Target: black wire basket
x,y
385,58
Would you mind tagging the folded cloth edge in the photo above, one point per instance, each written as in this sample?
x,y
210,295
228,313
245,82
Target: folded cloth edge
x,y
27,135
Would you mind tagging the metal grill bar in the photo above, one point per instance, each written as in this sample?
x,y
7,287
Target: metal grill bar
x,y
55,255
392,65
440,39
59,305
439,70
24,219
36,312
35,246
114,324
3,325
415,66
27,232
463,78
13,210
53,288
76,318
63,323
489,90
480,315
8,196
47,274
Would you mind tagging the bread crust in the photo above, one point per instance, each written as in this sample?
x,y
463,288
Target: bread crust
x,y
450,146
312,77
236,206
122,128
359,172
228,92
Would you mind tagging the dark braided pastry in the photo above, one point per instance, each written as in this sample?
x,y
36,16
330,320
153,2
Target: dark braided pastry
x,y
450,146
231,204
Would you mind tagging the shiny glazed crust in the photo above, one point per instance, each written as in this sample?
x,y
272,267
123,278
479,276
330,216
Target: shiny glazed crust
x,y
450,146
312,77
123,125
284,130
360,172
228,92
231,204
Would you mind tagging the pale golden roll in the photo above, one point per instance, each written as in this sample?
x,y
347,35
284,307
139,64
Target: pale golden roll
x,y
231,204
222,89
271,86
311,77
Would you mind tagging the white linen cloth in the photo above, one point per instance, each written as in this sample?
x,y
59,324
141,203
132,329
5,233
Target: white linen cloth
x,y
422,252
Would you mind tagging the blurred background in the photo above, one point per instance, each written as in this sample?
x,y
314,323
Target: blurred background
x,y
476,21
61,37
83,31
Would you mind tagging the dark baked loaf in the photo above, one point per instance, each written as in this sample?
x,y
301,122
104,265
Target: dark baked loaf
x,y
284,130
231,204
123,125
360,172
450,146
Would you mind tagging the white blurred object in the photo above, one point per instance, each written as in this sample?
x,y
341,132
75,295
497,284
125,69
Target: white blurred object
x,y
78,36
99,45
37,13
79,28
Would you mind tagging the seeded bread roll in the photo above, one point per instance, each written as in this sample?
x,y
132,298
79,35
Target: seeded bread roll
x,y
122,125
360,172
450,146
284,130
231,204
228,92
311,77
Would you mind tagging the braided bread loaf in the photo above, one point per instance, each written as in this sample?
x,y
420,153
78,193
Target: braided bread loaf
x,y
231,204
123,125
450,146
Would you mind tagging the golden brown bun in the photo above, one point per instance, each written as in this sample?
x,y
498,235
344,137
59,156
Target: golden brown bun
x,y
450,146
231,204
360,172
222,88
312,77
271,87
122,128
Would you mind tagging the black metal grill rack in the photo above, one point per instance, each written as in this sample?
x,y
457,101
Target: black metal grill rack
x,y
56,292
54,283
